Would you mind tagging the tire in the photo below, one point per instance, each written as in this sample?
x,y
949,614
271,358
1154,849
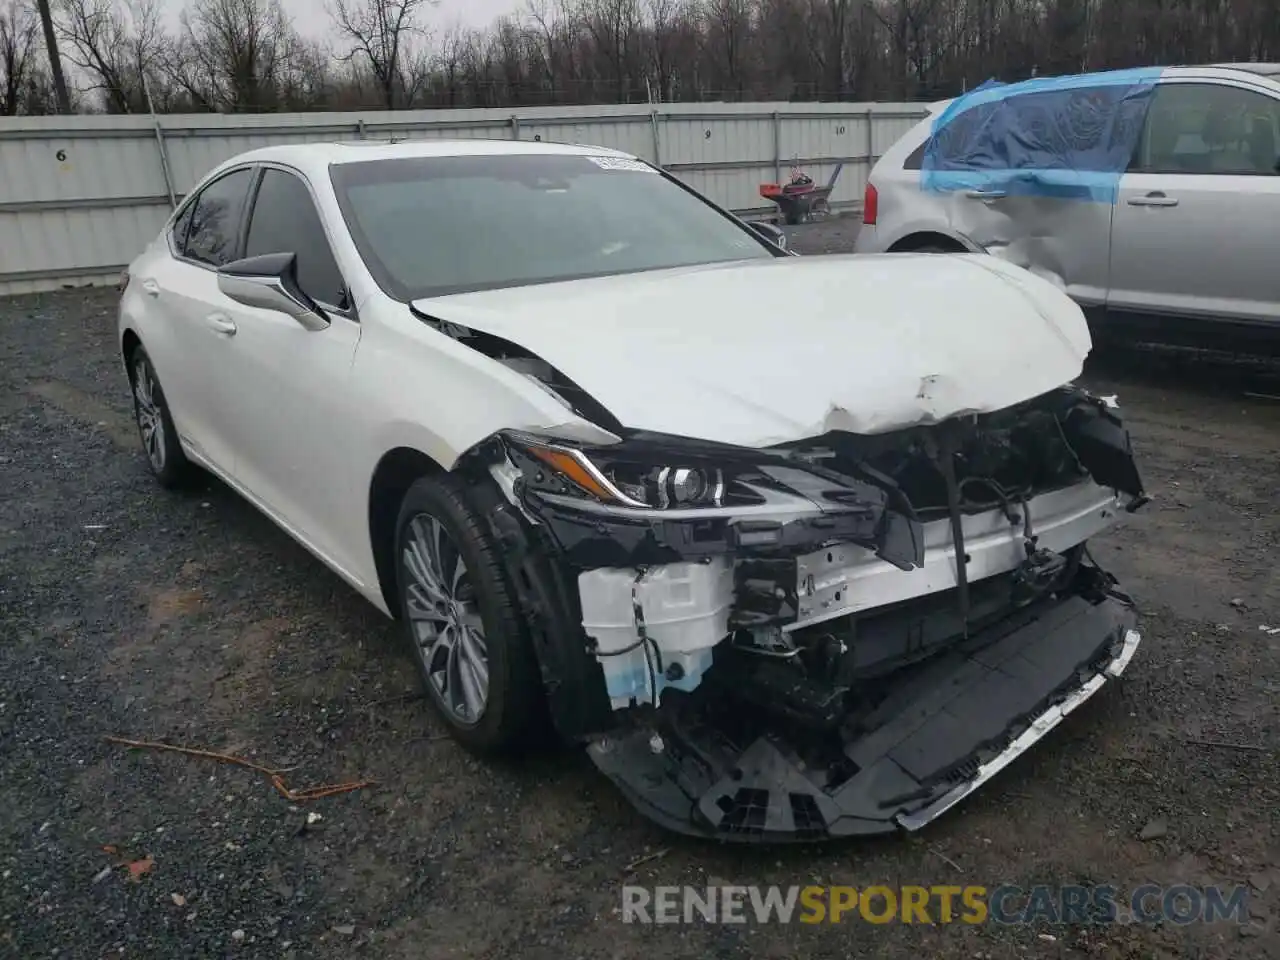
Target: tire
x,y
438,526
169,465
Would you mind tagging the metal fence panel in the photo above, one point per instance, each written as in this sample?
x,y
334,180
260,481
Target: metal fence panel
x,y
81,196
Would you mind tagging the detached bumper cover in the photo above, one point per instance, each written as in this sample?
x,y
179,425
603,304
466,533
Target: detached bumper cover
x,y
942,729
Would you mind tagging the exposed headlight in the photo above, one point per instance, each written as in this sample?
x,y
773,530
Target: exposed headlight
x,y
669,486
624,480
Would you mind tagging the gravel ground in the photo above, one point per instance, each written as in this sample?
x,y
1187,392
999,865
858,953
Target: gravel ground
x,y
188,617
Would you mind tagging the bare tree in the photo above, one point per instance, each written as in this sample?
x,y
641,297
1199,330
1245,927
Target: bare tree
x,y
663,16
55,59
232,54
613,27
244,55
728,33
379,31
115,46
510,48
448,64
17,52
910,24
309,83
546,24
833,19
418,64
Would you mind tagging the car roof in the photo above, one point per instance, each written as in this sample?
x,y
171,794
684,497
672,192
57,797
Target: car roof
x,y
1262,69
1270,71
315,158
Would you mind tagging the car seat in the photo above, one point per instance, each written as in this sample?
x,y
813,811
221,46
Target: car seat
x,y
1263,155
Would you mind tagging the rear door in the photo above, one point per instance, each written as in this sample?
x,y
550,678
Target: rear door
x,y
1032,179
188,343
1197,220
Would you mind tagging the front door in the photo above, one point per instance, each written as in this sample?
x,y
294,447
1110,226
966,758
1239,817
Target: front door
x,y
291,397
1198,215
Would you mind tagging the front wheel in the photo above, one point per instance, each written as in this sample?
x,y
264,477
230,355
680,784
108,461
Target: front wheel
x,y
159,438
471,649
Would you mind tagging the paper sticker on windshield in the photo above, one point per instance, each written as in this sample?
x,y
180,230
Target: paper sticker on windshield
x,y
622,163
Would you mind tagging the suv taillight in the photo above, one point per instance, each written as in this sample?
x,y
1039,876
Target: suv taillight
x,y
123,281
870,201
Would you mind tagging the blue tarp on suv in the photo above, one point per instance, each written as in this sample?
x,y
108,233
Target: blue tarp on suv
x,y
1064,137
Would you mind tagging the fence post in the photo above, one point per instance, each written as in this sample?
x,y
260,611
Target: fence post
x,y
360,128
164,153
871,142
515,127
777,147
164,163
657,140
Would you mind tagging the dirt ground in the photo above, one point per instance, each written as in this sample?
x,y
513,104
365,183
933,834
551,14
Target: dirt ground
x,y
189,618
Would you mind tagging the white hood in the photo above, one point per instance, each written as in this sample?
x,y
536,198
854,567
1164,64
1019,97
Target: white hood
x,y
770,352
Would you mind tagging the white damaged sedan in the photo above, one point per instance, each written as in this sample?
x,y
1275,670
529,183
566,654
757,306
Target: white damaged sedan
x,y
795,546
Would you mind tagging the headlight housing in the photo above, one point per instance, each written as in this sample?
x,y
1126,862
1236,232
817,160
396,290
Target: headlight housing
x,y
669,486
626,479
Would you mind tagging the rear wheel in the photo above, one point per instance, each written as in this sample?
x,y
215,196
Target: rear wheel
x,y
169,465
472,652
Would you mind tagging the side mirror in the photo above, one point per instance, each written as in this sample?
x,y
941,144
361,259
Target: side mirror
x,y
270,282
771,232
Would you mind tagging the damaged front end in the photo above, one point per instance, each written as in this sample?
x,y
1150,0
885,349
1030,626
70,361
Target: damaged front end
x,y
840,636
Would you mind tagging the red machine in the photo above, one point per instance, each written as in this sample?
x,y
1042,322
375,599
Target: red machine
x,y
800,197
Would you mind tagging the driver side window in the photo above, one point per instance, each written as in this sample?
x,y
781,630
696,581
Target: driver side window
x,y
285,220
1205,128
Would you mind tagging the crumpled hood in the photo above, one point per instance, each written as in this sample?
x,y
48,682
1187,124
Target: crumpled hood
x,y
767,352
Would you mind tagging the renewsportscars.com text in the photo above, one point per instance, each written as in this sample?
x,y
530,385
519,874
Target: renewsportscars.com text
x,y
1003,904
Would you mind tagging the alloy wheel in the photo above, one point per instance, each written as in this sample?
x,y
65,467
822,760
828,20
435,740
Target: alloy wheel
x,y
445,620
147,408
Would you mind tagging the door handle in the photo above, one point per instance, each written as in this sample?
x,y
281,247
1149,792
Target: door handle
x,y
221,323
150,288
1153,200
985,194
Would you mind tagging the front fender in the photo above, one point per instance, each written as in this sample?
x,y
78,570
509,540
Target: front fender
x,y
429,391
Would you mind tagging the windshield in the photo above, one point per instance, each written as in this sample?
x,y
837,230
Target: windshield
x,y
431,226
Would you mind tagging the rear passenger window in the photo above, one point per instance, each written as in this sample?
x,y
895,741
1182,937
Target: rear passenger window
x,y
285,220
178,234
215,219
1084,129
